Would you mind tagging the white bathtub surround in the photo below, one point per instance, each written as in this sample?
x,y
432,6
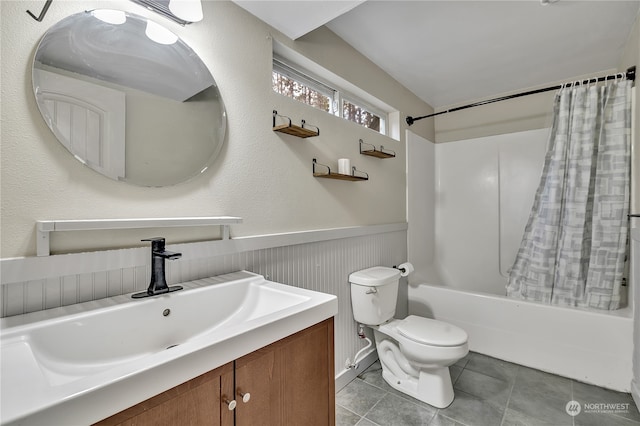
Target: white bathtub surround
x,y
635,284
575,243
589,346
468,204
319,260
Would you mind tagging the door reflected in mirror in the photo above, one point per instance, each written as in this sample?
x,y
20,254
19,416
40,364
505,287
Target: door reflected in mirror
x,y
128,98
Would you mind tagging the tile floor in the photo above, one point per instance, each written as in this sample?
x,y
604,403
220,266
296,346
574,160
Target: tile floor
x,y
489,392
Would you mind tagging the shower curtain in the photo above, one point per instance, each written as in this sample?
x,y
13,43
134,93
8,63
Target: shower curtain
x,y
574,246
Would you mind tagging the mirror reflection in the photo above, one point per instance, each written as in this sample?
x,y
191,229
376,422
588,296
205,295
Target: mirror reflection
x,y
128,98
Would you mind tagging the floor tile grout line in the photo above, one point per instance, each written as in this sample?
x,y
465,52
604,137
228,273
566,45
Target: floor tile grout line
x,y
573,418
351,411
513,385
418,404
403,396
370,421
373,406
516,366
453,420
377,402
625,418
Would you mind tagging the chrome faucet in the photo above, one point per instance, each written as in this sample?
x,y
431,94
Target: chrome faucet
x,y
158,284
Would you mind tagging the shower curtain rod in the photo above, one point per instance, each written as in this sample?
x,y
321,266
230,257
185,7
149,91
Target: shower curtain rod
x,y
630,74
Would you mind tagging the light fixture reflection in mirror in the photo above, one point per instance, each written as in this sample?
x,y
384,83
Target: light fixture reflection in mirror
x,y
181,11
189,10
128,98
160,34
115,17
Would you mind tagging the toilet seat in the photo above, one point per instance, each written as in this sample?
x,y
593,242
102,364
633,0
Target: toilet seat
x,y
431,332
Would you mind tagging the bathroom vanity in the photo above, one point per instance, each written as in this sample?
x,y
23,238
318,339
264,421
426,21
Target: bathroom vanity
x,y
230,349
289,382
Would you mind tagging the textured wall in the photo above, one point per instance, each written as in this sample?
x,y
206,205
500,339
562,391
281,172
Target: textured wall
x,y
262,176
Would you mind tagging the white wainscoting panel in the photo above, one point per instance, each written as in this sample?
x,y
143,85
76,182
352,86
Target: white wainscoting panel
x,y
322,263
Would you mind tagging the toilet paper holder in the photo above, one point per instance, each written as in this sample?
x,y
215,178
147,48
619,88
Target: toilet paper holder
x,y
404,268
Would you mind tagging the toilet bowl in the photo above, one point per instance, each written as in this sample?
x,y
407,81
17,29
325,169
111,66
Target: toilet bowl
x,y
415,352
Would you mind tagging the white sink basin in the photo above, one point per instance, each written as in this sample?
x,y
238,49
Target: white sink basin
x,y
60,366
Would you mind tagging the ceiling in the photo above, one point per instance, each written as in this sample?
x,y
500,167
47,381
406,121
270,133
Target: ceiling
x,y
452,52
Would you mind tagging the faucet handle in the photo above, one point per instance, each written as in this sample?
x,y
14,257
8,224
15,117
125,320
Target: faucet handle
x,y
157,243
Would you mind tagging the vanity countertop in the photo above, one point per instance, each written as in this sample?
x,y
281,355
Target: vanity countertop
x,y
86,362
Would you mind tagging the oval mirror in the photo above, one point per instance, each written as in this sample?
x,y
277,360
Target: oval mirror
x,y
128,98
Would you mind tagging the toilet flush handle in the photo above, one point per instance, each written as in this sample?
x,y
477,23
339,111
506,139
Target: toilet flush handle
x,y
372,290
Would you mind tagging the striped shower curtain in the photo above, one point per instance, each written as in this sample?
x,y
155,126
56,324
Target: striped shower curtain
x,y
575,243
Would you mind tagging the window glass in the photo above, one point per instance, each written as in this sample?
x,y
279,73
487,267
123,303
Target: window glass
x,y
357,114
297,90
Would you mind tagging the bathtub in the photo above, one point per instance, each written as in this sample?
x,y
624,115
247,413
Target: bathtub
x,y
587,346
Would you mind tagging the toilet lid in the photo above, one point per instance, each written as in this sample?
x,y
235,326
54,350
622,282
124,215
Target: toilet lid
x,y
431,332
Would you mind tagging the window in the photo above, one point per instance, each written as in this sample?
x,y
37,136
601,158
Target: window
x,y
293,84
304,88
358,114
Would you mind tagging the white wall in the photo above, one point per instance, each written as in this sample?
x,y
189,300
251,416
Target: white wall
x,y
635,283
262,176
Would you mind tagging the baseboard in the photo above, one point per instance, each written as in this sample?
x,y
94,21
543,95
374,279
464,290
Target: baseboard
x,y
635,392
344,377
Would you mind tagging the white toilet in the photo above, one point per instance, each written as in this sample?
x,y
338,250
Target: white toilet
x,y
415,352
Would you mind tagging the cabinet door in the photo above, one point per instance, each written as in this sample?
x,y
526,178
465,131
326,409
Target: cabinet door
x,y
196,402
291,382
308,378
259,374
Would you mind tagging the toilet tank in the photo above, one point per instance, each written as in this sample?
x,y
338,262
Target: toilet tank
x,y
374,292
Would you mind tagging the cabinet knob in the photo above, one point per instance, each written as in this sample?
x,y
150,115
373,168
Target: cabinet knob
x,y
231,404
245,396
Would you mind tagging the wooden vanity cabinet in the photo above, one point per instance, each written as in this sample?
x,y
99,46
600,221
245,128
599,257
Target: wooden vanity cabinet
x,y
196,402
289,382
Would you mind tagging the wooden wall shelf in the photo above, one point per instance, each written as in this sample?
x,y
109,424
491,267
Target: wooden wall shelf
x,y
292,129
339,176
45,227
374,152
